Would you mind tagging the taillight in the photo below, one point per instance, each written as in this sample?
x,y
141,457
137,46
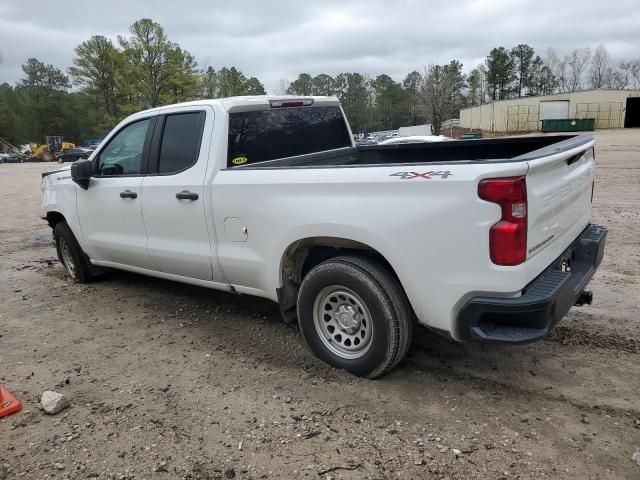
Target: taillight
x,y
508,237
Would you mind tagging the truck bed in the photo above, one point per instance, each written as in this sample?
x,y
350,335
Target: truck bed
x,y
458,151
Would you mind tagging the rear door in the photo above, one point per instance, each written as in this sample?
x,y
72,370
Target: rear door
x,y
559,189
173,203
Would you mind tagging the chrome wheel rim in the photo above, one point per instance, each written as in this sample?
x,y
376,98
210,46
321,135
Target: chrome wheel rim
x,y
67,259
343,322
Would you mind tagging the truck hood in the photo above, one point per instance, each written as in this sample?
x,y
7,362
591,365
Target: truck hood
x,y
61,176
65,169
58,190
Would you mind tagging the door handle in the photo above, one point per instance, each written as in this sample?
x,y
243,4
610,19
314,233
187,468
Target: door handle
x,y
186,195
128,194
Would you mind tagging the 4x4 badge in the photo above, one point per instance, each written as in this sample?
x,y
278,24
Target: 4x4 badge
x,y
422,175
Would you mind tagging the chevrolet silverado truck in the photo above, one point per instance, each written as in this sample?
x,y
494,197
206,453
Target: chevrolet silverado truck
x,y
484,240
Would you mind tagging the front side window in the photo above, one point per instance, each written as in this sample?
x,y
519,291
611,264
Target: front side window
x,y
264,135
123,154
180,142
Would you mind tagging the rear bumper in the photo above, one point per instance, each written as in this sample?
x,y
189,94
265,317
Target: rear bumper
x,y
543,302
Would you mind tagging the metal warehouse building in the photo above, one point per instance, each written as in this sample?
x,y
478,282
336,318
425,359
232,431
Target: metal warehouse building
x,y
609,108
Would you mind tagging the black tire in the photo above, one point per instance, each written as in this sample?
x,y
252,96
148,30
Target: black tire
x,y
365,282
67,247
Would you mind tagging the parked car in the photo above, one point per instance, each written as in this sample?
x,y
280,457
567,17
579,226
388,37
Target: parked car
x,y
478,240
368,141
73,154
9,158
471,136
92,144
416,139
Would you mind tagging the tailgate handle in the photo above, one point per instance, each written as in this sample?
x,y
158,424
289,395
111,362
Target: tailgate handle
x,y
575,158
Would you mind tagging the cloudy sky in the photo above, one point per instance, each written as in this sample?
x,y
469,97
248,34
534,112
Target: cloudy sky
x,y
274,40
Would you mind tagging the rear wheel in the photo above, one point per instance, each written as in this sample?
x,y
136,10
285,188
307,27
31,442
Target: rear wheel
x,y
70,254
354,315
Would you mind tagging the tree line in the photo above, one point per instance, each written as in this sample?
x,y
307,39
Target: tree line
x,y
438,92
521,72
109,80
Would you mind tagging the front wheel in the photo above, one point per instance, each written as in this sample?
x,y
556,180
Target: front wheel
x,y
70,254
354,315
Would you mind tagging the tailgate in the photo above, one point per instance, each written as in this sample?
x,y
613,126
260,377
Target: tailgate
x,y
559,191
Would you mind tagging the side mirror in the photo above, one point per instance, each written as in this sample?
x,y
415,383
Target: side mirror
x,y
81,172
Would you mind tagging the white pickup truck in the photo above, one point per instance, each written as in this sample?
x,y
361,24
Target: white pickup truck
x,y
487,241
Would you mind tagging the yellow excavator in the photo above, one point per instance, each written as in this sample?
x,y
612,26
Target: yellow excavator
x,y
50,150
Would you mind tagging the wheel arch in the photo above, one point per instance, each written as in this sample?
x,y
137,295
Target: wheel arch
x,y
53,218
304,254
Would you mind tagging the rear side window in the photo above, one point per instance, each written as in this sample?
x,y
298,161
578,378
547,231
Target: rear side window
x,y
285,132
180,142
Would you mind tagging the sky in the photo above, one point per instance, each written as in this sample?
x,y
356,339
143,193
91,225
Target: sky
x,y
278,40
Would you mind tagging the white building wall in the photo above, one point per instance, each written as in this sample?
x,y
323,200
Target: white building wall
x,y
522,114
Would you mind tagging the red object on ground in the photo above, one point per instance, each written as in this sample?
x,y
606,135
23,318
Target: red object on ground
x,y
8,403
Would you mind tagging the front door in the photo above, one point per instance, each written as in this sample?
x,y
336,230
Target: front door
x,y
110,211
173,200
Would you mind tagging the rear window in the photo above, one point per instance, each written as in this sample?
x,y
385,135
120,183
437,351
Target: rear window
x,y
286,132
180,142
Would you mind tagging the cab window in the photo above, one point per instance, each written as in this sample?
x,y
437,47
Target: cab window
x,y
180,142
258,136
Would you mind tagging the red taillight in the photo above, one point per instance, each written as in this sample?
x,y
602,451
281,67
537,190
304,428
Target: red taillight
x,y
508,237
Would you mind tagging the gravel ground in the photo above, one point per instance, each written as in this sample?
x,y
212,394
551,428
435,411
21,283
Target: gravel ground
x,y
174,381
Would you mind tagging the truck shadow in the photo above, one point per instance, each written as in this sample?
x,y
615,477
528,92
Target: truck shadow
x,y
249,331
226,317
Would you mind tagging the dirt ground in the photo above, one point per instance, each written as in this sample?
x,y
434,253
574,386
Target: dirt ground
x,y
174,381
